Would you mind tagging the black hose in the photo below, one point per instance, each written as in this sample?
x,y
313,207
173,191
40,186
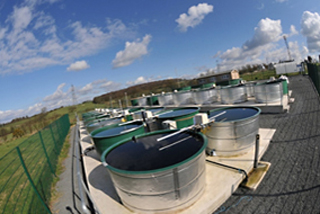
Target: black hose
x,y
231,167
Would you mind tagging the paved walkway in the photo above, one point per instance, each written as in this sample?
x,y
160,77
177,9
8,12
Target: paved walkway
x,y
67,187
292,185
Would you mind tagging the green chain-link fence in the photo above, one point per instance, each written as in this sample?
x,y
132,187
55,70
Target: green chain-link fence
x,y
314,73
26,172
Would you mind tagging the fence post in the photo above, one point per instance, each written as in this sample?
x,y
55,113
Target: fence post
x,y
46,154
31,181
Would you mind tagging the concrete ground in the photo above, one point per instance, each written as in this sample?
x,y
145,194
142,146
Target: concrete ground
x,y
292,184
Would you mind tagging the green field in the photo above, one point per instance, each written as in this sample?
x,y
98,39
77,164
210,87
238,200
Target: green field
x,y
27,169
10,142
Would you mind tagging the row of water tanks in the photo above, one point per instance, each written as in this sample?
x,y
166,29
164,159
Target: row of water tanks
x,y
164,170
262,92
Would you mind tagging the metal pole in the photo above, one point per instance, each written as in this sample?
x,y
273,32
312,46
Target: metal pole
x,y
127,103
256,154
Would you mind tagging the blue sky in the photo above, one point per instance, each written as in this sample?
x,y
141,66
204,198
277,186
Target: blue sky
x,y
46,46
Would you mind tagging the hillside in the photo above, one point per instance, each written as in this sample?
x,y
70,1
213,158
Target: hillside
x,y
145,88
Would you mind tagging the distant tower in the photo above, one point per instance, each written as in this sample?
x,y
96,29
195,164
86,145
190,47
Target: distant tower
x,y
285,40
74,98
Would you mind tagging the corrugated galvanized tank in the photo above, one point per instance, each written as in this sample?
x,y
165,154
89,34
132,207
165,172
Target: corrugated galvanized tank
x,y
107,136
205,96
153,100
165,99
183,98
233,94
250,88
233,132
158,177
142,101
269,92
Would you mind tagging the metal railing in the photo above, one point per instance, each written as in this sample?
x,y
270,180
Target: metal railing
x,y
83,188
27,172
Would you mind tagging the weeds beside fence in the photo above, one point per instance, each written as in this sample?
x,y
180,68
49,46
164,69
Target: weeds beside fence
x,y
26,172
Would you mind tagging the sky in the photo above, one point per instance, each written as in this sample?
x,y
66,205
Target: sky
x,y
51,49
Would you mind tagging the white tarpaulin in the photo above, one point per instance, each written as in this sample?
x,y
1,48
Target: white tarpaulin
x,y
288,67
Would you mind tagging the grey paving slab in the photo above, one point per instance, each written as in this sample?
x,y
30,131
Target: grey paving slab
x,y
292,184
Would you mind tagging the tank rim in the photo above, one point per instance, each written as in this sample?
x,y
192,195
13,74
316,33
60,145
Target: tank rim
x,y
197,109
114,126
230,121
128,172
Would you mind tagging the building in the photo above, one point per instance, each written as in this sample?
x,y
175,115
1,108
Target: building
x,y
219,78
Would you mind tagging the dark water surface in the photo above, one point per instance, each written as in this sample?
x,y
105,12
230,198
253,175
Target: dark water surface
x,y
234,114
149,154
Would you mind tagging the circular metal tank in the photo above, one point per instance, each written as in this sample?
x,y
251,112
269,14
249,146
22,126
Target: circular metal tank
x,y
182,116
233,94
233,132
250,88
142,101
108,135
165,99
205,96
153,100
102,122
158,176
133,112
268,92
183,98
95,117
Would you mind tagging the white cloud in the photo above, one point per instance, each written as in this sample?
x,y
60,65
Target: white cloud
x,y
297,53
293,30
142,79
20,18
267,31
281,1
31,36
194,17
132,51
310,28
253,51
7,116
78,66
57,95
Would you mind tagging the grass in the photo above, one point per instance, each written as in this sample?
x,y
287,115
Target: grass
x,y
262,75
59,170
11,143
6,147
16,193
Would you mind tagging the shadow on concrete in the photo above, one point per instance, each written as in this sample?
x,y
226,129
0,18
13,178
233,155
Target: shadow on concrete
x,y
105,184
87,139
93,154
